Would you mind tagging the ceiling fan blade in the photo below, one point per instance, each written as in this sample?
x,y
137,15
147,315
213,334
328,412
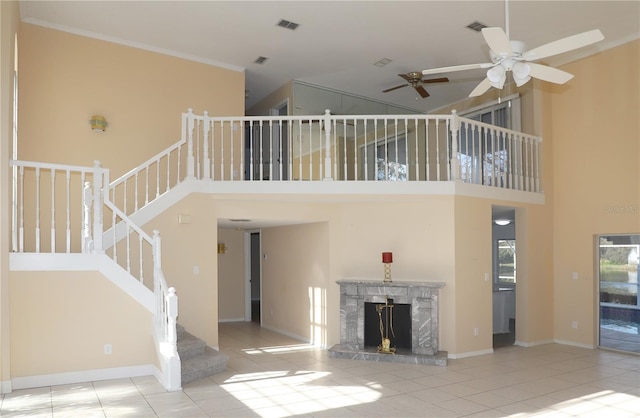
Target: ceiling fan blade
x,y
564,45
394,88
457,68
481,88
546,73
422,92
436,80
497,41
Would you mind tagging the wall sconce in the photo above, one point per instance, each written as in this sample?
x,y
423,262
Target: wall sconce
x,y
98,123
222,248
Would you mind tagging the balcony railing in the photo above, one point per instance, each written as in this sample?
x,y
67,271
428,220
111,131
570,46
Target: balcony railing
x,y
371,148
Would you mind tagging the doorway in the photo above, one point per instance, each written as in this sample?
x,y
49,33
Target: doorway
x,y
618,289
253,276
504,276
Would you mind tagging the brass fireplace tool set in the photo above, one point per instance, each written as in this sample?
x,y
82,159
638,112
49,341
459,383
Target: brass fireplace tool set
x,y
386,326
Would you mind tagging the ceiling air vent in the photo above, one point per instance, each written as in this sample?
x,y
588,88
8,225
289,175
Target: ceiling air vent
x,y
288,25
260,60
477,26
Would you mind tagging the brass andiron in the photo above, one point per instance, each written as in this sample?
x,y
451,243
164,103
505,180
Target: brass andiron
x,y
386,326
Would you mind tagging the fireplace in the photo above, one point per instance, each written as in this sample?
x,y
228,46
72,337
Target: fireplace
x,y
390,319
421,297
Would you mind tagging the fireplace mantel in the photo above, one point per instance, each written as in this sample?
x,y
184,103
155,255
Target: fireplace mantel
x,y
423,297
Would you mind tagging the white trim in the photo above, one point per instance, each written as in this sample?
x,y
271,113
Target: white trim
x,y
305,340
5,386
82,376
470,354
574,344
234,320
85,262
139,45
533,344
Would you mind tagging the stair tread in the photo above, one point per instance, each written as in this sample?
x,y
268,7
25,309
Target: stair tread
x,y
190,346
206,364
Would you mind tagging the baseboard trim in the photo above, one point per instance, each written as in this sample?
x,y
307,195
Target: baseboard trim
x,y
288,334
5,386
82,376
470,354
574,344
533,344
241,319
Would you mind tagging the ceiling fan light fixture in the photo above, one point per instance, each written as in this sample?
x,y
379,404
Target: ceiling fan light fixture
x,y
496,76
521,73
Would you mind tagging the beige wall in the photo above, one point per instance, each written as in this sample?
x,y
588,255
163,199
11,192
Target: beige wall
x,y
595,135
60,322
231,280
66,78
9,21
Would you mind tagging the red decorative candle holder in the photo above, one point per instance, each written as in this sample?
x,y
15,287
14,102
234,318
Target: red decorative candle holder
x,y
387,259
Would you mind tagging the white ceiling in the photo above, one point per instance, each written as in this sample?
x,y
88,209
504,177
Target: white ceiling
x,y
338,42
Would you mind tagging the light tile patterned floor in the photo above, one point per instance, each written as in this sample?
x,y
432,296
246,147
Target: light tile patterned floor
x,y
270,375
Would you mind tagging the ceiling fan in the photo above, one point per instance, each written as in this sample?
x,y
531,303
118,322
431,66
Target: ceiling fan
x,y
507,55
414,79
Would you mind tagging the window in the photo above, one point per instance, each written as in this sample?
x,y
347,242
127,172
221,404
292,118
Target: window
x,y
483,156
390,156
506,277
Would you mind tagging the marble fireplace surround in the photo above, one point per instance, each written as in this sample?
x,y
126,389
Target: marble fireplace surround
x,y
423,297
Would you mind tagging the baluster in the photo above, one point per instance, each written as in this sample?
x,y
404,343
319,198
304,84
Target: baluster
x,y
135,193
14,208
386,150
375,149
251,157
37,209
271,150
426,147
355,149
231,165
21,235
68,230
280,146
124,197
406,150
221,150
128,232
344,150
53,210
454,128
97,206
205,146
146,185
87,200
537,168
454,140
179,173
327,150
260,152
190,157
366,151
157,265
169,172
158,161
243,141
114,229
140,258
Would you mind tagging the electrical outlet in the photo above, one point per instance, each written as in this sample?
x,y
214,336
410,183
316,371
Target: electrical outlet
x,y
574,325
486,277
108,349
574,275
476,331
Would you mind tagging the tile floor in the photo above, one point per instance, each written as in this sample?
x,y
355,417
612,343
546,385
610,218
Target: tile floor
x,y
270,375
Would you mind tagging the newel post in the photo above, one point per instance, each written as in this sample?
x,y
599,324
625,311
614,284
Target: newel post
x,y
172,314
327,145
190,157
97,206
454,127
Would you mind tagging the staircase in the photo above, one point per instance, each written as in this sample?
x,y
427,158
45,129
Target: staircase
x,y
198,360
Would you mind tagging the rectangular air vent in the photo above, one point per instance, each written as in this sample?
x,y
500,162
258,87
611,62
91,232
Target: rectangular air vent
x,y
260,60
477,26
288,25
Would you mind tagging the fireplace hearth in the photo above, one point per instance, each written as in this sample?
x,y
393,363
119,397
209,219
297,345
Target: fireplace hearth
x,y
422,297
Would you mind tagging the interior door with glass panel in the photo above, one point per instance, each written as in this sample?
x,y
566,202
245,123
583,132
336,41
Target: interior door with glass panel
x,y
618,303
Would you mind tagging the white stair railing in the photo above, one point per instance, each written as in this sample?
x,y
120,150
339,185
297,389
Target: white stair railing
x,y
76,196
